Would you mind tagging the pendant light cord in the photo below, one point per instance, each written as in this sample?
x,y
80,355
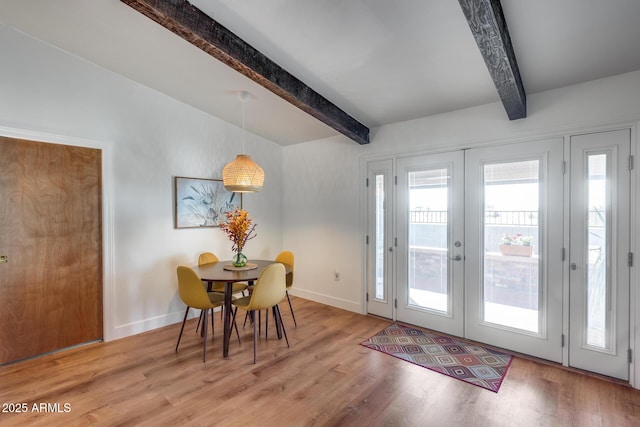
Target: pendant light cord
x,y
244,96
243,102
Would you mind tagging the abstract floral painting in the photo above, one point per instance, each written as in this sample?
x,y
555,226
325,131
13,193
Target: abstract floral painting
x,y
202,202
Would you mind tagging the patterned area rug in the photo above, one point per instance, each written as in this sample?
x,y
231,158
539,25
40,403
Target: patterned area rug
x,y
458,359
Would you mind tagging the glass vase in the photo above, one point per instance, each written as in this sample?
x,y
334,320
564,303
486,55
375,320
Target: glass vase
x,y
239,259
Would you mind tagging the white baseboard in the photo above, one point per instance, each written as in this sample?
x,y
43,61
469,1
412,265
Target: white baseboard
x,y
145,325
134,328
328,300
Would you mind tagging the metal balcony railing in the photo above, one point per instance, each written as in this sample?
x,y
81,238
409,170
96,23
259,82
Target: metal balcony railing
x,y
529,218
428,217
515,218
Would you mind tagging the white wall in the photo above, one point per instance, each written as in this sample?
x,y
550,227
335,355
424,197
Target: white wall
x,y
322,220
324,179
147,138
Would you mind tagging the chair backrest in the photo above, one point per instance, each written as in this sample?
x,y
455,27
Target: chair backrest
x,y
207,258
192,293
286,257
269,289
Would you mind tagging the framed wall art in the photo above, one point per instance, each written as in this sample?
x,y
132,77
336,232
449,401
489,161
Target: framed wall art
x,y
202,202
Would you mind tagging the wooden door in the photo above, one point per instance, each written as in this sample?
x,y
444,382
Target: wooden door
x,y
51,234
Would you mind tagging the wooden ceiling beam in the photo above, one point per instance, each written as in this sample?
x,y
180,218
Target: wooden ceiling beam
x,y
199,29
489,28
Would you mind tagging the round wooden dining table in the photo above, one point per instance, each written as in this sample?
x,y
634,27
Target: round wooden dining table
x,y
223,271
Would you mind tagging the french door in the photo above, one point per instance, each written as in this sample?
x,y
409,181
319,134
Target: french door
x,y
513,280
523,246
429,234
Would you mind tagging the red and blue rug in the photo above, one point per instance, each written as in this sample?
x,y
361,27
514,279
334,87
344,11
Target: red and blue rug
x,y
461,360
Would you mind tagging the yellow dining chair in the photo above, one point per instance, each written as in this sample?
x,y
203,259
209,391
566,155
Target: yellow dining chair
x,y
269,290
286,257
193,294
218,287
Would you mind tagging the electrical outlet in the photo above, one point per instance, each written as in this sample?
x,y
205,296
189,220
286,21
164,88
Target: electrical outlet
x,y
336,276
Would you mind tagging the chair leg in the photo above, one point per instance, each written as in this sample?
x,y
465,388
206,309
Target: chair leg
x,y
275,322
233,322
182,328
255,341
266,327
284,331
236,326
266,323
291,307
248,315
199,320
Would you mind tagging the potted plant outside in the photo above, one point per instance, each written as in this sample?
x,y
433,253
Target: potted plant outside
x,y
516,245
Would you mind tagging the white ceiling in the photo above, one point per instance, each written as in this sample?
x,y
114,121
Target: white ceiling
x,y
380,61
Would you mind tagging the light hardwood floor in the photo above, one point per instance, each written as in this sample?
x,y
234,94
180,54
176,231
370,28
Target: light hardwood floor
x,y
325,379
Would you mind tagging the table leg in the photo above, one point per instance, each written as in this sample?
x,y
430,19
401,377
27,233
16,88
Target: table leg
x,y
228,289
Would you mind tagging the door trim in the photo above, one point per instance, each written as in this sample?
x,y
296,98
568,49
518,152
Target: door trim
x,y
634,296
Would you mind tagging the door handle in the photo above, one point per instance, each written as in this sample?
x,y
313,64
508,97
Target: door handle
x,y
456,258
573,266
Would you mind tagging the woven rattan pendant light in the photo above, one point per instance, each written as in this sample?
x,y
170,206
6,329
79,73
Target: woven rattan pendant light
x,y
243,175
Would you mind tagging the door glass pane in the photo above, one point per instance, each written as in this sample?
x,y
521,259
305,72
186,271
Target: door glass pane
x,y
379,258
428,236
597,272
511,286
